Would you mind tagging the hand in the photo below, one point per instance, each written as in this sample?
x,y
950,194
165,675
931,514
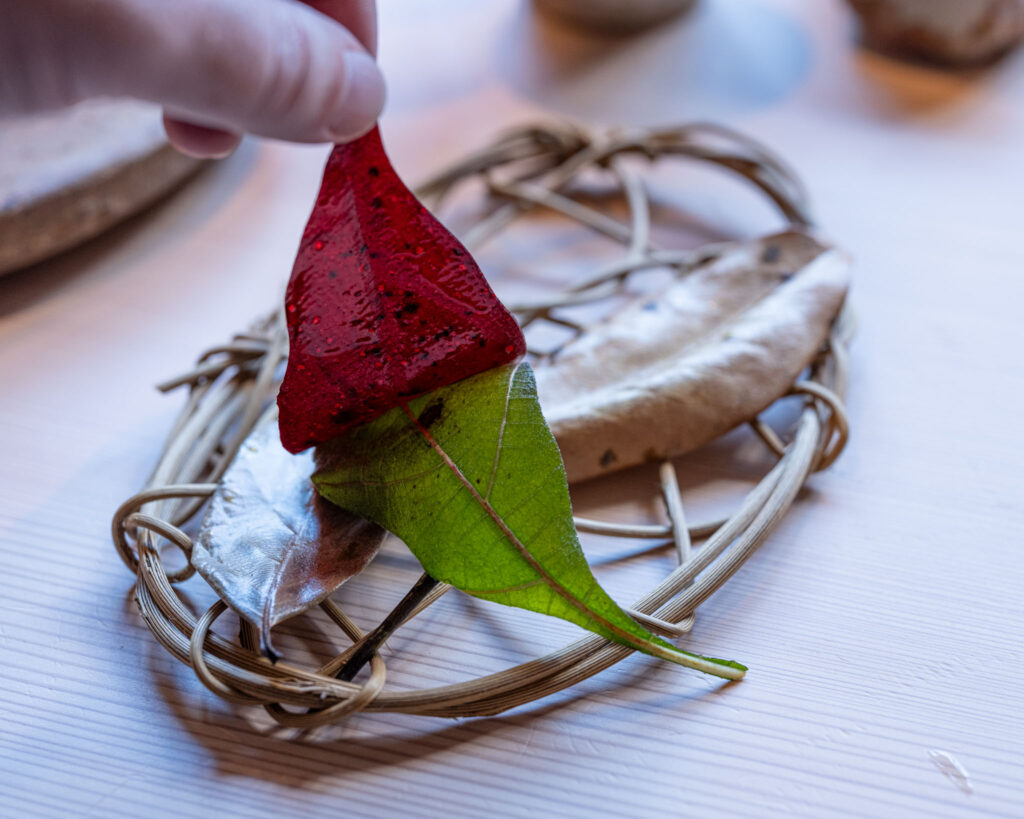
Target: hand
x,y
279,68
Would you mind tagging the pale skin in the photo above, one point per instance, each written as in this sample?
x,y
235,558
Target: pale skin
x,y
299,71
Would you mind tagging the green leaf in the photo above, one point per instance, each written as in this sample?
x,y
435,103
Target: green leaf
x,y
470,477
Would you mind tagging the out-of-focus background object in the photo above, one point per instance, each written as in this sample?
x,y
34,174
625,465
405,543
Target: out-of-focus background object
x,y
615,16
68,175
946,31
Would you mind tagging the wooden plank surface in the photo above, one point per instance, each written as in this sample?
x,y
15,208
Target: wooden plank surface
x,y
882,623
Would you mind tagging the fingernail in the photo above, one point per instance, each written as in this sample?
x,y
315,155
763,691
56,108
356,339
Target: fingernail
x,y
363,97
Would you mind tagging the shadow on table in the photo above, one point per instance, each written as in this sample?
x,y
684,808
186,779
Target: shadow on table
x,y
899,87
243,745
903,88
246,742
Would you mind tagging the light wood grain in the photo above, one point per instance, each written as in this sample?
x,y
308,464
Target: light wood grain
x,y
884,619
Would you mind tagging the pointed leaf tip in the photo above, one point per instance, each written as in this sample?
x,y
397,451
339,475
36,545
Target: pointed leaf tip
x,y
470,478
383,303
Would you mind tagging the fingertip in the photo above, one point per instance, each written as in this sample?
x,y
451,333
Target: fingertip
x,y
200,141
362,99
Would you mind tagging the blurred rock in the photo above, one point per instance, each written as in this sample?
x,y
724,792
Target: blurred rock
x,y
954,32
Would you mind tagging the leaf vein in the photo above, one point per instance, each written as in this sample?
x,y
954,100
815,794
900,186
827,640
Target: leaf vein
x,y
625,636
501,434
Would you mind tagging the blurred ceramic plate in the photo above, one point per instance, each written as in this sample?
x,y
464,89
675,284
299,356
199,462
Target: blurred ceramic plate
x,y
66,176
615,16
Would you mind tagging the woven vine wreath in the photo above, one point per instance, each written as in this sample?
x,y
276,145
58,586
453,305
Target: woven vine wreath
x,y
739,326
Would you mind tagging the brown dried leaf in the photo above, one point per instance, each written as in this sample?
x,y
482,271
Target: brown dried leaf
x,y
269,545
668,374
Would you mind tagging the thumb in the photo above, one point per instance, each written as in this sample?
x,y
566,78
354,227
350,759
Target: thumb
x,y
271,67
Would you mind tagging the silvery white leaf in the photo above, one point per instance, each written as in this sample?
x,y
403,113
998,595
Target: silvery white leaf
x,y
269,545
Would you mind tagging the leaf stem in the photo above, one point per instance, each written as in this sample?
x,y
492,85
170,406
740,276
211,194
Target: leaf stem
x,y
371,642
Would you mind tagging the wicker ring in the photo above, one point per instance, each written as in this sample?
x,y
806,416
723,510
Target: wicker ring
x,y
231,386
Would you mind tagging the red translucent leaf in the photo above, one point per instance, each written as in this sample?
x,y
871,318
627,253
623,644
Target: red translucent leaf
x,y
384,304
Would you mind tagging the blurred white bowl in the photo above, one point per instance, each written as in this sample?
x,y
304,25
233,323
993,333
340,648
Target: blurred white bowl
x,y
615,16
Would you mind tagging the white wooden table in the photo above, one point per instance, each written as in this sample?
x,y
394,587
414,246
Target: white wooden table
x,y
882,623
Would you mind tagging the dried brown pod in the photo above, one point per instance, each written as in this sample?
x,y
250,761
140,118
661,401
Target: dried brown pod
x,y
946,31
673,371
269,545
